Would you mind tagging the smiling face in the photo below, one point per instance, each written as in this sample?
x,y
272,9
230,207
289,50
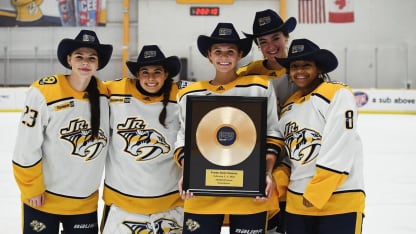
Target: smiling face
x,y
224,56
304,74
273,45
152,77
83,62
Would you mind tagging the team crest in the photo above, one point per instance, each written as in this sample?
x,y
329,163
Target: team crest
x,y
183,83
149,54
141,142
48,80
192,225
303,145
80,135
37,226
265,20
298,49
225,31
161,226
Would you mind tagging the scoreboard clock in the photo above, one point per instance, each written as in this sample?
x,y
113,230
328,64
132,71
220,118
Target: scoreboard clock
x,y
205,11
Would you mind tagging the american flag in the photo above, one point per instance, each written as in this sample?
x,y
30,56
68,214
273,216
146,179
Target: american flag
x,y
311,11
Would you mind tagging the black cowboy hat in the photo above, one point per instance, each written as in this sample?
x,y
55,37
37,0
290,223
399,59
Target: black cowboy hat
x,y
267,22
223,33
152,55
304,49
85,38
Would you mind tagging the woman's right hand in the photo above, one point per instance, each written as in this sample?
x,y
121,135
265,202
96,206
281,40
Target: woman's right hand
x,y
184,194
37,200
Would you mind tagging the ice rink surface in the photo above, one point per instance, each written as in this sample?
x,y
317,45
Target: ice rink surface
x,y
390,173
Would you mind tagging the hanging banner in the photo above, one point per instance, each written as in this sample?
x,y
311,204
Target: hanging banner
x,y
311,11
205,1
83,13
340,11
386,101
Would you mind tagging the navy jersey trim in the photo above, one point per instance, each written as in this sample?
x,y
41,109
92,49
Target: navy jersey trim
x,y
128,195
20,165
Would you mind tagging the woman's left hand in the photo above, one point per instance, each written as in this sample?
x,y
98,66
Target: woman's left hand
x,y
37,200
270,186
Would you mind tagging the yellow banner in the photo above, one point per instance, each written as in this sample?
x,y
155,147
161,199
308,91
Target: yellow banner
x,y
205,1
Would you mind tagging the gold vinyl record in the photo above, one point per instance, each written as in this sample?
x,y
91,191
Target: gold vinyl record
x,y
226,136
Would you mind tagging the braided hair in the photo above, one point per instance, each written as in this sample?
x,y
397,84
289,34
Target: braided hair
x,y
94,98
166,93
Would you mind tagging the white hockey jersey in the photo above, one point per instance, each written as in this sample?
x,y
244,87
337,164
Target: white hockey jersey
x,y
325,151
141,175
55,152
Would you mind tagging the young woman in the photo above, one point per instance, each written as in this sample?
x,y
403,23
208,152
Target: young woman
x,y
140,191
271,35
65,119
205,214
319,124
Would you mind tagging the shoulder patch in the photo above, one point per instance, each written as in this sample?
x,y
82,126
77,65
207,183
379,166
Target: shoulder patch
x,y
183,83
48,80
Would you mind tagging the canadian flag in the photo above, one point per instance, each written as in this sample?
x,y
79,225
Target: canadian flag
x,y
340,11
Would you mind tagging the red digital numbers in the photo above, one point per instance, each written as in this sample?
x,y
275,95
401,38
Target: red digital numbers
x,y
205,11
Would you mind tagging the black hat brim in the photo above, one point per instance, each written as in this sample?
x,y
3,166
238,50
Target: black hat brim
x,y
67,46
288,26
323,57
205,42
172,65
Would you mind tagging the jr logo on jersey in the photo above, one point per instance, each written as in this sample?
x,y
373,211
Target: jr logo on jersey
x,y
141,142
161,226
303,145
48,80
79,134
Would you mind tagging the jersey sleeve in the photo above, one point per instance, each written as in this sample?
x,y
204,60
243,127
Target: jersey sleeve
x,y
27,157
281,175
283,89
335,159
274,138
180,139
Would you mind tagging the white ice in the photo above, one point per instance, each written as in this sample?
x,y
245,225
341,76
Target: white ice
x,y
390,173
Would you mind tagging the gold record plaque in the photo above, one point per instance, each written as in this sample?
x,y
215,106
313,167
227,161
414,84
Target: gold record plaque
x,y
219,136
225,143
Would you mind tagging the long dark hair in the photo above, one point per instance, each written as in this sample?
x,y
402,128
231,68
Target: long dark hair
x,y
323,76
94,97
166,93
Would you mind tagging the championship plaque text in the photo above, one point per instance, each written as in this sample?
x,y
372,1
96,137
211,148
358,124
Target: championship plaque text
x,y
231,178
